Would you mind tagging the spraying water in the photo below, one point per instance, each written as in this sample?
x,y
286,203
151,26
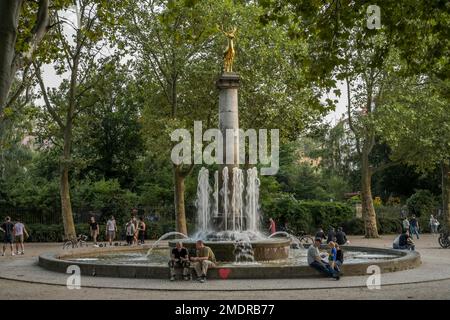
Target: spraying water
x,y
239,201
252,200
236,200
165,236
224,193
202,202
216,194
293,238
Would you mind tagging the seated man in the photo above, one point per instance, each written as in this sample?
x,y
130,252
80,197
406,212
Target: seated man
x,y
341,237
404,242
204,259
315,261
179,258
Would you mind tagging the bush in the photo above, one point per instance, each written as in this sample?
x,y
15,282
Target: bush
x,y
354,226
388,225
422,203
307,215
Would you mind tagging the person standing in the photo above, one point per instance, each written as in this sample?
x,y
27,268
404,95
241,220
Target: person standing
x,y
130,231
8,228
332,256
203,260
111,229
19,230
272,226
434,223
136,231
141,230
94,229
405,224
414,226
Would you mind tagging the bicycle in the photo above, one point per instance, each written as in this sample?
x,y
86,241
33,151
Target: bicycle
x,y
444,238
79,241
303,238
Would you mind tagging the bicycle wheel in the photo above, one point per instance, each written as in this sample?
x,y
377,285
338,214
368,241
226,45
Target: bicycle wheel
x,y
444,241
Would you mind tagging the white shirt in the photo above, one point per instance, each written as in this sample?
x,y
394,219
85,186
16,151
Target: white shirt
x,y
18,227
111,225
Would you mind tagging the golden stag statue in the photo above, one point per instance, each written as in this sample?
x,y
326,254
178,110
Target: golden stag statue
x,y
228,56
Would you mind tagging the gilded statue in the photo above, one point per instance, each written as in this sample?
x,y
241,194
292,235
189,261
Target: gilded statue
x,y
228,56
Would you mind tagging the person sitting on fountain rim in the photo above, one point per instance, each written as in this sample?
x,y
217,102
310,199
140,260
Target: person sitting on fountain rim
x,y
204,259
404,242
179,258
339,258
320,234
316,262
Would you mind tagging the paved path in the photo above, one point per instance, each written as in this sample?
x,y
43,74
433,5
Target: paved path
x,y
432,281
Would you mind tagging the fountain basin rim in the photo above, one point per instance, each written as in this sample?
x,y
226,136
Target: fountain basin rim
x,y
255,243
53,261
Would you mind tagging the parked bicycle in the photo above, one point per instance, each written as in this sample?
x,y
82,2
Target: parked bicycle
x,y
79,241
304,238
444,238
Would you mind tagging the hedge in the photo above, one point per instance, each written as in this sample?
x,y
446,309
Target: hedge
x,y
307,216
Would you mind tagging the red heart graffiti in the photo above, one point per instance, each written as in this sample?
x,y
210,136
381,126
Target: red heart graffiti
x,y
224,273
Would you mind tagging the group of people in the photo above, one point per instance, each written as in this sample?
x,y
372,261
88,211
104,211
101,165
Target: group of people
x,y
330,268
411,225
13,232
339,237
203,259
134,230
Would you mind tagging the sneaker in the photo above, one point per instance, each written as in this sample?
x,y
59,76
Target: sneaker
x,y
186,278
172,278
12,254
202,280
22,253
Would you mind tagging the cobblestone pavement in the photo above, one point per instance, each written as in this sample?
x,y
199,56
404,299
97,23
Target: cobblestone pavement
x,y
433,274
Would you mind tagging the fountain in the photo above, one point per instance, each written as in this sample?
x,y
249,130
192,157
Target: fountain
x,y
228,220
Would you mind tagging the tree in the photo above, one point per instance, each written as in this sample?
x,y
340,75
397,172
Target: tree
x,y
178,57
415,122
23,25
418,31
77,57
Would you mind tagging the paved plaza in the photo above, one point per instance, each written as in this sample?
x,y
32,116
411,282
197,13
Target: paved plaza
x,y
21,278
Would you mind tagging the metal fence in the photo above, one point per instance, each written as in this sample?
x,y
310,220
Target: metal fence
x,y
82,215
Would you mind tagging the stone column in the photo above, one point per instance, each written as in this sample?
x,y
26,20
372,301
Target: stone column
x,y
228,84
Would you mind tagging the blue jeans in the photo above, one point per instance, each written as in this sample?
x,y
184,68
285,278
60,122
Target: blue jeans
x,y
414,230
324,269
406,247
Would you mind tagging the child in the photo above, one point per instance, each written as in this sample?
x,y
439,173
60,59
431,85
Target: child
x,y
332,255
130,231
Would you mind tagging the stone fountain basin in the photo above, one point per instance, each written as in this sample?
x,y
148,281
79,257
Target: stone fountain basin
x,y
59,262
264,250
